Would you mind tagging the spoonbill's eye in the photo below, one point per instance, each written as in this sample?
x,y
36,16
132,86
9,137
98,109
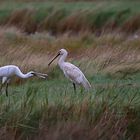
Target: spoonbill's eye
x,y
60,52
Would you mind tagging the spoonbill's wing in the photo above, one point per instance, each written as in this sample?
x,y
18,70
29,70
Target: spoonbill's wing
x,y
75,75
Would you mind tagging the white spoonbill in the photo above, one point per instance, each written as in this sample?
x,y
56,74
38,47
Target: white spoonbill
x,y
71,71
6,72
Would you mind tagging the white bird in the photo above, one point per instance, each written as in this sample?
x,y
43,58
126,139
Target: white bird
x,y
6,72
71,71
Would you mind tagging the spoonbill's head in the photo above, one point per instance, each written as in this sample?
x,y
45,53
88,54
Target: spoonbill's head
x,y
40,75
63,51
31,73
60,53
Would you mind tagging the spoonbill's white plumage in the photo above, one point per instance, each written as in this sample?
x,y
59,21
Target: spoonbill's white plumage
x,y
6,72
71,71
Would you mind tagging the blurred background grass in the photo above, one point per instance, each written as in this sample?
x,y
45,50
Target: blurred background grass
x,y
59,17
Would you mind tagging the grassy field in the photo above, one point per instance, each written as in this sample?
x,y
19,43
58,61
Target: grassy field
x,y
59,17
49,109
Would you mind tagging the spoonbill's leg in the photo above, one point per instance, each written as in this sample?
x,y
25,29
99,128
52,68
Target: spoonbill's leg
x,y
1,88
7,84
74,86
6,90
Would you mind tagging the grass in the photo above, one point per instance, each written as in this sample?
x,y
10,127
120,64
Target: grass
x,y
49,109
38,109
51,103
63,17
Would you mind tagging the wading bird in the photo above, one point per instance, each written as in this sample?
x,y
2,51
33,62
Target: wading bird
x,y
71,71
6,72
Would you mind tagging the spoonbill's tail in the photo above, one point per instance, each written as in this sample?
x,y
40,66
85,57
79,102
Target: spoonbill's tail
x,y
86,84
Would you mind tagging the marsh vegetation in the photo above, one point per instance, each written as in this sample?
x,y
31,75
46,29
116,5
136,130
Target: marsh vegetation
x,y
108,55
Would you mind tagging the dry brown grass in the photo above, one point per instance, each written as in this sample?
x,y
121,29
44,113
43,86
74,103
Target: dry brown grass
x,y
132,24
23,19
108,126
109,51
76,22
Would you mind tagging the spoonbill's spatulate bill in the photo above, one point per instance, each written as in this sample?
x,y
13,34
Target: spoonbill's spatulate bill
x,y
6,72
72,72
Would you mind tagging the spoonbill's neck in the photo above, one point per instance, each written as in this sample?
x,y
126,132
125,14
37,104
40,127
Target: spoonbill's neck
x,y
27,75
62,59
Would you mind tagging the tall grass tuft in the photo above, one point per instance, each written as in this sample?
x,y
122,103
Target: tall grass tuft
x,y
51,23
132,24
24,19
